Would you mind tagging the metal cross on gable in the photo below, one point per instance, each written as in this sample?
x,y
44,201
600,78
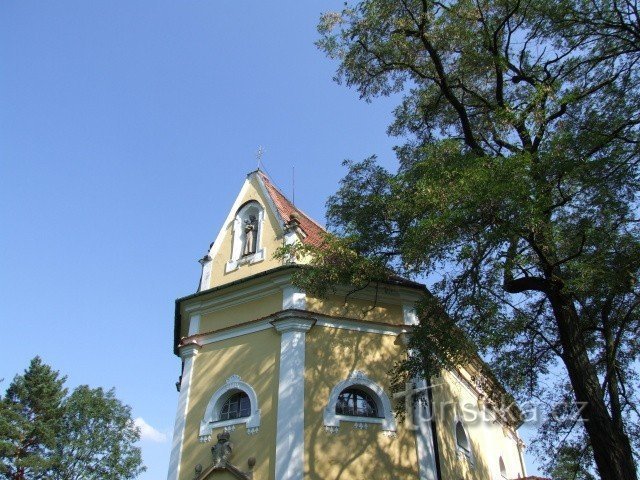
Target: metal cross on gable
x,y
259,155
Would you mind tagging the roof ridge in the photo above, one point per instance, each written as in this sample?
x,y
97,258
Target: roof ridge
x,y
266,178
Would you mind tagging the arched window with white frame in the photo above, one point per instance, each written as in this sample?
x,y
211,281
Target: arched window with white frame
x,y
503,468
247,245
361,401
463,445
232,404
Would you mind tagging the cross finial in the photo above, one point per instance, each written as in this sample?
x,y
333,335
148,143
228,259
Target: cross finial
x,y
259,154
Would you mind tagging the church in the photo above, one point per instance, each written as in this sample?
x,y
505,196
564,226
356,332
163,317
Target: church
x,y
276,384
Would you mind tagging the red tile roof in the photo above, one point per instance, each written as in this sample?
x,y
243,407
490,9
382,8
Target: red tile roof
x,y
310,227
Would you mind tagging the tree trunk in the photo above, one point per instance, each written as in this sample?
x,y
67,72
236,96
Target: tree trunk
x,y
611,447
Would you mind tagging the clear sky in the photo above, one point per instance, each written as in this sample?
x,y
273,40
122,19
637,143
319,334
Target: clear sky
x,y
126,131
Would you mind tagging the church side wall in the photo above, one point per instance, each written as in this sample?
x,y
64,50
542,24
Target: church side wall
x,y
331,356
255,359
454,401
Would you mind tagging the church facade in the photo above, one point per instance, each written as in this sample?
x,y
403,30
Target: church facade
x,y
280,385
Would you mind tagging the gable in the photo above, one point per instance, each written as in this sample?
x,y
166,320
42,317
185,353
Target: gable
x,y
227,262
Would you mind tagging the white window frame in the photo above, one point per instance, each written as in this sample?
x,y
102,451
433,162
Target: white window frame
x,y
237,259
383,406
502,467
210,421
460,450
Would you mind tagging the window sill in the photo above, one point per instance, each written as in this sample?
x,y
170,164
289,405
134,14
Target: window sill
x,y
233,265
463,454
227,426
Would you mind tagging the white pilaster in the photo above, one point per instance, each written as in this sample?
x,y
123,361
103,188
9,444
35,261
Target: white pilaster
x,y
425,445
194,324
290,422
187,353
424,436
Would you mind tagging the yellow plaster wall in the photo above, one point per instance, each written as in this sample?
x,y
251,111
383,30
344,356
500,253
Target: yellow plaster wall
x,y
270,239
486,438
244,312
255,358
331,355
356,308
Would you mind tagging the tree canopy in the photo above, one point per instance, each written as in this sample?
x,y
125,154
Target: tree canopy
x,y
515,195
46,433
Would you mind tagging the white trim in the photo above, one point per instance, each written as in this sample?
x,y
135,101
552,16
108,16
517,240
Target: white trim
x,y
235,332
293,297
233,384
290,419
237,260
359,379
409,314
205,278
463,453
194,324
286,324
425,443
188,354
267,323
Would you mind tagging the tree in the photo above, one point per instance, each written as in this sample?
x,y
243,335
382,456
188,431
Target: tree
x,y
516,191
30,422
97,439
47,434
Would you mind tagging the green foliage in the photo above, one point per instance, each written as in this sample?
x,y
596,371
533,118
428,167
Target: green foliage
x,y
516,195
30,422
98,437
47,434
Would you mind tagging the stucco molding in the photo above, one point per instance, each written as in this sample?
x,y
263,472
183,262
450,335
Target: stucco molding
x,y
233,384
293,324
358,378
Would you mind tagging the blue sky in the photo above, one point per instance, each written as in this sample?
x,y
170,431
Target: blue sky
x,y
126,130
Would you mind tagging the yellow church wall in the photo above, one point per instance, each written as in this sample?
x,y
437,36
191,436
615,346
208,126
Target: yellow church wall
x,y
271,240
356,308
331,355
245,312
255,358
453,401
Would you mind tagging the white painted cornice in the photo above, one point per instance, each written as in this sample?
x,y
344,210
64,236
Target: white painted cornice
x,y
293,320
189,349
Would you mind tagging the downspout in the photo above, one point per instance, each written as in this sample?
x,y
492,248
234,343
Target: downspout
x,y
434,432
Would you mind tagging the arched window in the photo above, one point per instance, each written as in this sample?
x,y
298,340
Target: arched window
x,y
247,236
357,403
462,440
361,401
234,403
503,469
237,405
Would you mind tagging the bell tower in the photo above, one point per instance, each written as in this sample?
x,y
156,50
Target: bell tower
x,y
277,384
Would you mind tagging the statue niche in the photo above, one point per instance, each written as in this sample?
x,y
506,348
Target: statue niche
x,y
250,236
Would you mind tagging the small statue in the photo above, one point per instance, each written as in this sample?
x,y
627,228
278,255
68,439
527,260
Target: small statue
x,y
250,236
221,451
